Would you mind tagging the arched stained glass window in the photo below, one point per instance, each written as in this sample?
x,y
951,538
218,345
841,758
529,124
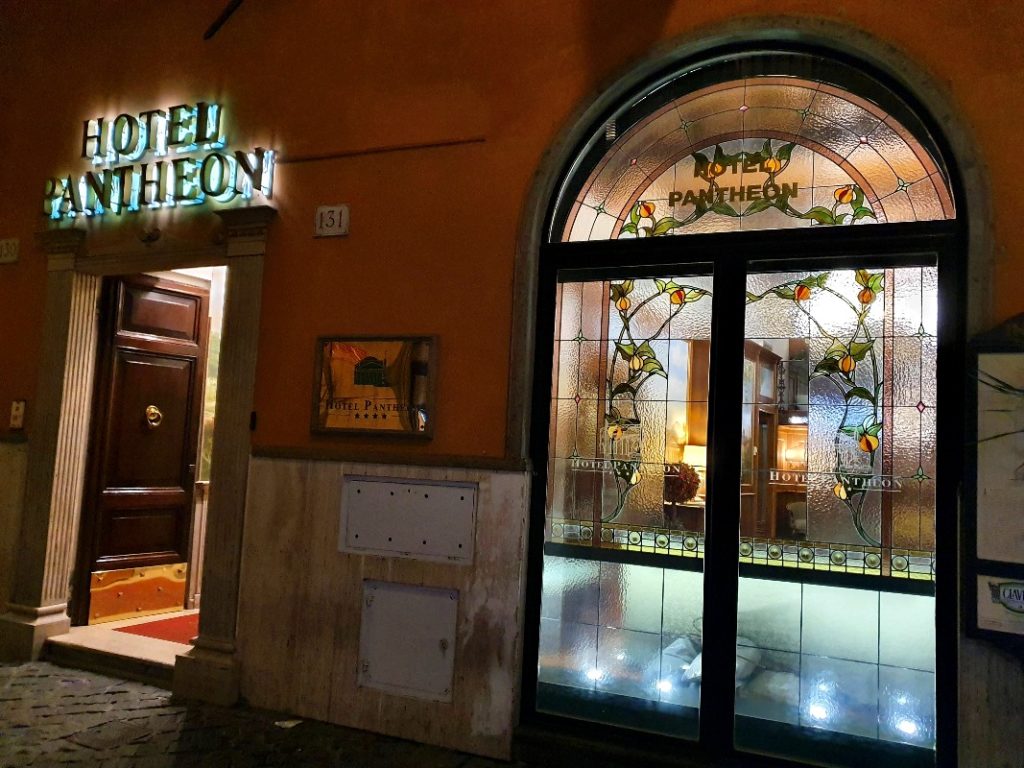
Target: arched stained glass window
x,y
754,153
749,465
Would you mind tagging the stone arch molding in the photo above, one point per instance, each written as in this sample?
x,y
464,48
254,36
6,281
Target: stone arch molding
x,y
56,458
968,177
981,670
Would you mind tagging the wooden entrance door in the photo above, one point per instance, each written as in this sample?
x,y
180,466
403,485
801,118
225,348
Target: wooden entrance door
x,y
137,509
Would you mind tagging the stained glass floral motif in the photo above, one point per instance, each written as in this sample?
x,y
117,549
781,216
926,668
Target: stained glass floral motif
x,y
849,465
838,366
843,364
759,153
629,414
633,363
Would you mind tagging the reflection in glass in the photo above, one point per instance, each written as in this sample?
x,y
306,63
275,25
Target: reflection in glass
x,y
627,639
810,655
906,706
617,640
839,695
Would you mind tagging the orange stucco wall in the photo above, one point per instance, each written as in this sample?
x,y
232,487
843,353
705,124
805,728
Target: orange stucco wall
x,y
433,231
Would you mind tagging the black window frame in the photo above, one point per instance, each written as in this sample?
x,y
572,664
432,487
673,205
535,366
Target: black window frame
x,y
732,255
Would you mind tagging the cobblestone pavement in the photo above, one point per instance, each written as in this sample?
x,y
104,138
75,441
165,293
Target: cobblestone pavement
x,y
52,716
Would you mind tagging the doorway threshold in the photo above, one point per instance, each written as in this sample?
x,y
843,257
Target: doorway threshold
x,y
101,648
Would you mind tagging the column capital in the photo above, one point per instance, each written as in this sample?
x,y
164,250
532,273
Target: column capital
x,y
245,229
62,247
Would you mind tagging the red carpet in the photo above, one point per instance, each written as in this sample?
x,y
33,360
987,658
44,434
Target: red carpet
x,y
180,629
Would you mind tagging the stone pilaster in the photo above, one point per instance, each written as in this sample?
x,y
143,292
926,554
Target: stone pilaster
x,y
58,438
210,671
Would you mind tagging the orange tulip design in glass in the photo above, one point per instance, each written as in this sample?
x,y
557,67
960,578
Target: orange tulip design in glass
x,y
845,356
633,362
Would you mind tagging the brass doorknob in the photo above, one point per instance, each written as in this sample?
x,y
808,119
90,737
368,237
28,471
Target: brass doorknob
x,y
153,416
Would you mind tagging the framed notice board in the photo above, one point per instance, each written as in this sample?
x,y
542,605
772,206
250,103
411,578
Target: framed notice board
x,y
993,587
375,385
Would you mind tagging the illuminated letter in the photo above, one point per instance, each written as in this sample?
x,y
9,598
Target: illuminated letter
x,y
158,182
224,177
183,175
147,116
71,200
97,189
122,174
181,125
254,173
125,142
52,194
260,174
99,138
207,123
268,172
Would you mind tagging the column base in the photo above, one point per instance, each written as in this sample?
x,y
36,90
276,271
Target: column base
x,y
207,675
24,630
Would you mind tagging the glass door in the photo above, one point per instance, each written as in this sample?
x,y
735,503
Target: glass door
x,y
836,609
821,570
620,625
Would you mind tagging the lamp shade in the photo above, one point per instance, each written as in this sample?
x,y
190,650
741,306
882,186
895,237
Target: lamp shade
x,y
695,455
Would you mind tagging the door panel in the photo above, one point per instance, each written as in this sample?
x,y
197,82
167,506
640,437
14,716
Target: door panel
x,y
620,625
140,526
834,455
132,533
143,454
160,312
844,644
138,504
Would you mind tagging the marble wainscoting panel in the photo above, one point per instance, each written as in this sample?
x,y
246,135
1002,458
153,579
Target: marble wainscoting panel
x,y
991,701
301,603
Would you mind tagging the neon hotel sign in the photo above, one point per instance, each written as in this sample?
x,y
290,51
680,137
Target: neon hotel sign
x,y
158,158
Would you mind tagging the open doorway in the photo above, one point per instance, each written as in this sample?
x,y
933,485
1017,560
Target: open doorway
x,y
143,520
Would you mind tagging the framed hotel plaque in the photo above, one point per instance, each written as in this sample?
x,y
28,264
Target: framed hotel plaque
x,y
994,493
381,385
